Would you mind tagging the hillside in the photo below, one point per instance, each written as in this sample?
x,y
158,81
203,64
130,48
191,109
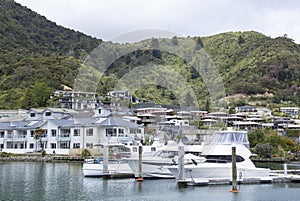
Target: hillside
x,y
249,63
37,56
36,50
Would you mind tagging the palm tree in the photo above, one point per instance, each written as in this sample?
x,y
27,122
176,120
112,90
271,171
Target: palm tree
x,y
38,132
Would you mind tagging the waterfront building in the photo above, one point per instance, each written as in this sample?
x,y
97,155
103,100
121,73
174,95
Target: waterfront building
x,y
61,135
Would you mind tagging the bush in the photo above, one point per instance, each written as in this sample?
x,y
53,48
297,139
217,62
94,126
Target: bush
x,y
263,150
86,153
43,153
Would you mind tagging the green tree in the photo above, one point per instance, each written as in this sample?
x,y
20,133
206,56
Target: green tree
x,y
241,40
207,105
41,93
264,150
175,40
199,43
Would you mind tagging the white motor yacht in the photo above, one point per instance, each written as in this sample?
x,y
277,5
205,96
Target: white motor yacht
x,y
218,164
153,166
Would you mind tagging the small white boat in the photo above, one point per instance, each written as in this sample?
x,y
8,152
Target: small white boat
x,y
94,168
117,166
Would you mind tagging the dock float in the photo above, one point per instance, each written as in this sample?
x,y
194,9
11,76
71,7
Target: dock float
x,y
255,180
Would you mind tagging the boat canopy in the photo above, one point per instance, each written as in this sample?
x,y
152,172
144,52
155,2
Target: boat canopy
x,y
232,137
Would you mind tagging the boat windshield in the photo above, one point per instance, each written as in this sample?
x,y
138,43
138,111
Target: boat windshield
x,y
230,137
167,154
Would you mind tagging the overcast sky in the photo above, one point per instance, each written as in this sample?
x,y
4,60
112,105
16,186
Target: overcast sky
x,y
106,19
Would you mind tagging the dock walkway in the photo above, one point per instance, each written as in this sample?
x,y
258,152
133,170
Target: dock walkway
x,y
254,180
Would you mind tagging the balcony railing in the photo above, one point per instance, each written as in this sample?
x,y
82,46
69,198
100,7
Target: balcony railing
x,y
15,138
63,137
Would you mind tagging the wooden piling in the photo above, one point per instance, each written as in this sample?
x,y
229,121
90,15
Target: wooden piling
x,y
234,171
140,177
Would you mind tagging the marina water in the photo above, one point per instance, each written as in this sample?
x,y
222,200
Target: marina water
x,y
65,181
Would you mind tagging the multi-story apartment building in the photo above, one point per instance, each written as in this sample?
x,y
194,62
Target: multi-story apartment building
x,y
45,131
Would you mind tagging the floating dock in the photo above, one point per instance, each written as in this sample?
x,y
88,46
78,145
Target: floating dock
x,y
255,180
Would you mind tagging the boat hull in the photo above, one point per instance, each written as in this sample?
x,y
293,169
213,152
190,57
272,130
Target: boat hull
x,y
96,169
152,169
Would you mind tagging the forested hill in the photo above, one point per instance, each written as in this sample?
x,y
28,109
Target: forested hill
x,y
37,56
34,50
266,70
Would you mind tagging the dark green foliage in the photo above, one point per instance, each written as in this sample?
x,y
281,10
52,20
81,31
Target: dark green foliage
x,y
86,153
175,40
34,50
241,40
263,139
263,150
199,43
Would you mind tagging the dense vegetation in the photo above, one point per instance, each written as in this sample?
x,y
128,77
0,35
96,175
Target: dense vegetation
x,y
35,51
38,56
267,143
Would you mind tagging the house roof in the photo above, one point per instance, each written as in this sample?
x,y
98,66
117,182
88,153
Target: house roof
x,y
117,122
19,125
62,122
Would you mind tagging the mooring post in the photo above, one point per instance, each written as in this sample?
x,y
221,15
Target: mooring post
x,y
285,169
105,160
234,171
140,177
181,174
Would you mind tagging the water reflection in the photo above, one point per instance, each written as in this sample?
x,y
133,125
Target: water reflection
x,y
63,181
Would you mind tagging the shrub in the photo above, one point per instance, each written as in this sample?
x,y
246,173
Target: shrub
x,y
86,153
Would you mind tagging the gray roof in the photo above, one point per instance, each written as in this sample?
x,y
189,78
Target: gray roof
x,y
20,125
117,122
62,122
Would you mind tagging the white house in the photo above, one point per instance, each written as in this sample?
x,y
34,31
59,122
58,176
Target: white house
x,y
61,135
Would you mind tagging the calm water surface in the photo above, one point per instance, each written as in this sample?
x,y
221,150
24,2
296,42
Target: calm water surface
x,y
65,181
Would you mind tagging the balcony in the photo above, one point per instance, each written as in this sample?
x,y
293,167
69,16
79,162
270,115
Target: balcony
x,y
15,138
63,137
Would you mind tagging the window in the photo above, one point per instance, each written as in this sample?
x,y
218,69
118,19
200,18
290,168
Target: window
x,y
77,132
89,145
32,133
139,130
111,132
64,145
53,133
121,132
76,145
2,134
132,130
65,133
32,114
47,114
53,145
89,132
31,145
99,111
